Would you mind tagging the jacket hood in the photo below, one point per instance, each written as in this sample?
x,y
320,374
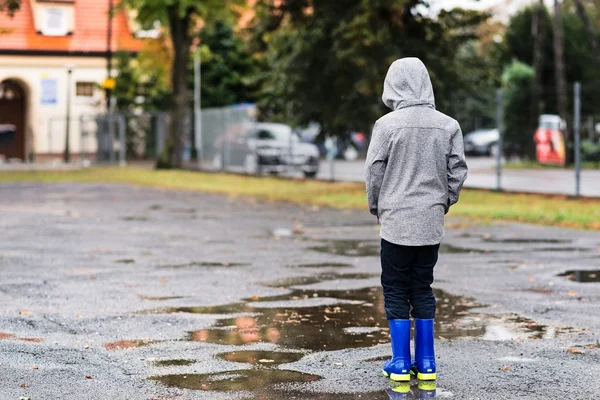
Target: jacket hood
x,y
407,84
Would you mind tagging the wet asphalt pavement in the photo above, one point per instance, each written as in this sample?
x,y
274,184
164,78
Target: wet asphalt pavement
x,y
110,291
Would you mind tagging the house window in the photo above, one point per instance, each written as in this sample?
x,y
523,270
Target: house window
x,y
85,89
55,21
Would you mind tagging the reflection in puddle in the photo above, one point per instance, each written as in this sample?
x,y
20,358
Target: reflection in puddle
x,y
582,276
361,323
173,363
350,248
266,358
247,380
323,265
417,390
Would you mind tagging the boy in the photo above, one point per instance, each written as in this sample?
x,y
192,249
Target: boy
x,y
414,171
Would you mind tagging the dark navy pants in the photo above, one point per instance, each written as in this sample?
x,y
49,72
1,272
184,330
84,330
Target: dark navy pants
x,y
406,277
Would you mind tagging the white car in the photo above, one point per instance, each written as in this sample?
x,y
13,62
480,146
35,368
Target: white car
x,y
269,147
482,142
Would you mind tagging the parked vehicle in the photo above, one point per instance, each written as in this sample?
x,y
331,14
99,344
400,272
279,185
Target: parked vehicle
x,y
482,142
549,139
268,147
349,147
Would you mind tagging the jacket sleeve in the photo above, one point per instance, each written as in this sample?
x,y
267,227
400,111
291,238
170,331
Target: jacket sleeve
x,y
375,167
457,168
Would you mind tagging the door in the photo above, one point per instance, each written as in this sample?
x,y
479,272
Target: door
x,y
12,120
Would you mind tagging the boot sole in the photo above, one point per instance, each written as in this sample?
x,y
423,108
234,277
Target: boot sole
x,y
397,377
426,377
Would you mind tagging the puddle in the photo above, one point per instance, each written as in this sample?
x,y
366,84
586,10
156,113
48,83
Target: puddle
x,y
417,390
161,298
205,264
309,280
526,240
135,218
125,261
539,290
349,248
246,380
264,358
582,276
288,395
126,344
322,265
11,336
173,363
361,323
564,249
450,249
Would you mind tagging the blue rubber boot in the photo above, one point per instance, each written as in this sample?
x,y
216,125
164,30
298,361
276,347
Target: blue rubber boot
x,y
398,368
424,351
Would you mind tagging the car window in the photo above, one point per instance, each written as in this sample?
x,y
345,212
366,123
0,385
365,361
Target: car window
x,y
263,134
275,132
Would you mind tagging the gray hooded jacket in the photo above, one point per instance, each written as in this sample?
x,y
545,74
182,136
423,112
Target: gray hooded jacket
x,y
415,165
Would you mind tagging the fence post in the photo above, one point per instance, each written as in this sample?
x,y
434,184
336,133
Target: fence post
x,y
160,133
122,140
499,120
577,132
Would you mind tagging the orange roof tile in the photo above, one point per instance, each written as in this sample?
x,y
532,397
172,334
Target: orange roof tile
x,y
89,35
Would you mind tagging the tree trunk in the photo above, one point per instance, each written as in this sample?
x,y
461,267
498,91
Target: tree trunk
x,y
538,32
561,75
588,29
172,155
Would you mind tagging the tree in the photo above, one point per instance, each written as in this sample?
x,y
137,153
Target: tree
x,y
517,82
10,6
589,30
560,71
227,67
182,19
327,60
538,30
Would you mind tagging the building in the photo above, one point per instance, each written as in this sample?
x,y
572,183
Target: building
x,y
54,52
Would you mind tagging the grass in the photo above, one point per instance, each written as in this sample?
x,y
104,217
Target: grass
x,y
538,166
485,205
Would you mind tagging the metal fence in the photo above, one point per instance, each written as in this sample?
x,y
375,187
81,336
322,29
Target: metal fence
x,y
107,138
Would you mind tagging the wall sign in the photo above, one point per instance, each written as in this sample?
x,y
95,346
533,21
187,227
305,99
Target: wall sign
x,y
49,89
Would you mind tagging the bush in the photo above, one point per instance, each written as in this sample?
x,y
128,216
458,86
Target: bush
x,y
517,82
590,151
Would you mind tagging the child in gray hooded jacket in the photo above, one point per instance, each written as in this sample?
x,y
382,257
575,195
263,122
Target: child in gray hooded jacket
x,y
414,172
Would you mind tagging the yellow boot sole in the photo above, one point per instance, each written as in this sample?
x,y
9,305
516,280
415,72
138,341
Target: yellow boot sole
x,y
397,377
426,377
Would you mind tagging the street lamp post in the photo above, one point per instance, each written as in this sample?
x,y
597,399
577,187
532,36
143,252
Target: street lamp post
x,y
67,154
109,55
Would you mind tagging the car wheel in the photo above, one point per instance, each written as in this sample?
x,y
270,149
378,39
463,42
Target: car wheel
x,y
350,154
251,165
493,150
310,174
217,162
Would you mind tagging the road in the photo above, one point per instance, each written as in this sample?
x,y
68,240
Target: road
x,y
119,292
482,174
